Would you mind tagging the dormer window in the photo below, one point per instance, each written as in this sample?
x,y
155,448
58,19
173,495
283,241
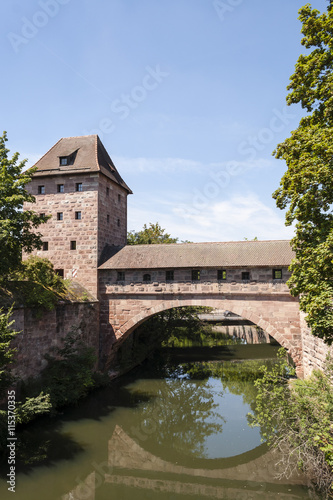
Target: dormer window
x,y
67,160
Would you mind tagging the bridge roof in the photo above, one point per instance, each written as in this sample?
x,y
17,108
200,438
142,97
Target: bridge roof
x,y
274,253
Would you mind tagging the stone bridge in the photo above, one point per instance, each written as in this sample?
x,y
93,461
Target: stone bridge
x,y
247,278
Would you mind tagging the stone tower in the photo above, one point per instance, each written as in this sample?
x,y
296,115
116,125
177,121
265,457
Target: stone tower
x,y
77,184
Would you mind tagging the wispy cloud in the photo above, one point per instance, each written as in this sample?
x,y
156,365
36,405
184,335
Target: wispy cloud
x,y
233,219
172,165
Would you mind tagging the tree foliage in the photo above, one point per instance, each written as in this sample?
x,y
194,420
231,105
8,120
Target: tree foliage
x,y
296,418
17,227
151,234
306,189
7,352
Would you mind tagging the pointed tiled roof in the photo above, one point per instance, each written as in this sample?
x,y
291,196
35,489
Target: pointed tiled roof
x,y
226,254
91,156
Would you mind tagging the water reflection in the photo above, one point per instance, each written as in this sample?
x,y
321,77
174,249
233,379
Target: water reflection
x,y
158,433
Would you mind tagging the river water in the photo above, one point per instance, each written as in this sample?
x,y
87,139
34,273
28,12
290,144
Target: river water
x,y
174,428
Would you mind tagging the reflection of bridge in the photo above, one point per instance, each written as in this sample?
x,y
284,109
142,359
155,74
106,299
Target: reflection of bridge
x,y
129,465
246,278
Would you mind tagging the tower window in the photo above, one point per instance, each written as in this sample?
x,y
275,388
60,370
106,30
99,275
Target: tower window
x,y
245,275
73,245
121,276
67,160
118,222
107,191
60,216
277,274
60,188
45,246
169,275
108,218
195,275
147,277
41,189
119,198
63,160
78,215
221,274
78,186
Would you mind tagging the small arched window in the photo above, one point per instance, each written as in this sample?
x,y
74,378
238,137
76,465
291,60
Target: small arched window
x,y
146,277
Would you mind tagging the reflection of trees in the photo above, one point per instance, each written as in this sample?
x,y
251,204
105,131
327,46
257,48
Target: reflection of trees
x,y
177,416
237,377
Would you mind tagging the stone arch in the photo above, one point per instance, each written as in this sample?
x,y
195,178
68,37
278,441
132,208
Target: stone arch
x,y
249,310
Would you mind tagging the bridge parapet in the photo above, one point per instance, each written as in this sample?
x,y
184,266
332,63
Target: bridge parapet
x,y
156,287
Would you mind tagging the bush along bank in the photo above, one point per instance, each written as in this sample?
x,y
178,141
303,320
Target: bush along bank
x,y
296,417
69,376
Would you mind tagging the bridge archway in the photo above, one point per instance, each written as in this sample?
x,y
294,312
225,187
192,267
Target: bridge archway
x,y
280,319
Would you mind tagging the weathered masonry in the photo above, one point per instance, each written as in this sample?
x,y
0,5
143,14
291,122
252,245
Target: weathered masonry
x,y
77,184
247,278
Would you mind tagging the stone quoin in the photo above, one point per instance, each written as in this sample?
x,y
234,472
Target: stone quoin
x,y
77,183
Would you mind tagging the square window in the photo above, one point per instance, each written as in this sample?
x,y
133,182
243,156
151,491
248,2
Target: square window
x,y
277,274
169,275
41,189
45,246
60,216
60,188
73,245
245,275
63,160
78,186
121,276
147,278
195,275
42,215
221,274
60,272
78,215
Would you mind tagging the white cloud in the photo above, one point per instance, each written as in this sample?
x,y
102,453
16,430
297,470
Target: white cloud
x,y
237,218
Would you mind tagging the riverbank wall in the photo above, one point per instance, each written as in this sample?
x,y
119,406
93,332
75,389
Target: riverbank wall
x,y
315,351
40,333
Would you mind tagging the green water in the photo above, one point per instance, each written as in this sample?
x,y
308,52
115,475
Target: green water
x,y
174,428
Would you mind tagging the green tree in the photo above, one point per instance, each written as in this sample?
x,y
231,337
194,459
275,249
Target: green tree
x,y
306,189
295,417
151,234
17,227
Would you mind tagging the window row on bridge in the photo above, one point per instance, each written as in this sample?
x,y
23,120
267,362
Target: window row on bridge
x,y
221,275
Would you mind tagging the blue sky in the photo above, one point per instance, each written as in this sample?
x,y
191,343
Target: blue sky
x,y
188,97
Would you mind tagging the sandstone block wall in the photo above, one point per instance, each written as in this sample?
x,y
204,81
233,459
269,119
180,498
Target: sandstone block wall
x,y
135,276
40,334
79,263
112,214
315,350
268,304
